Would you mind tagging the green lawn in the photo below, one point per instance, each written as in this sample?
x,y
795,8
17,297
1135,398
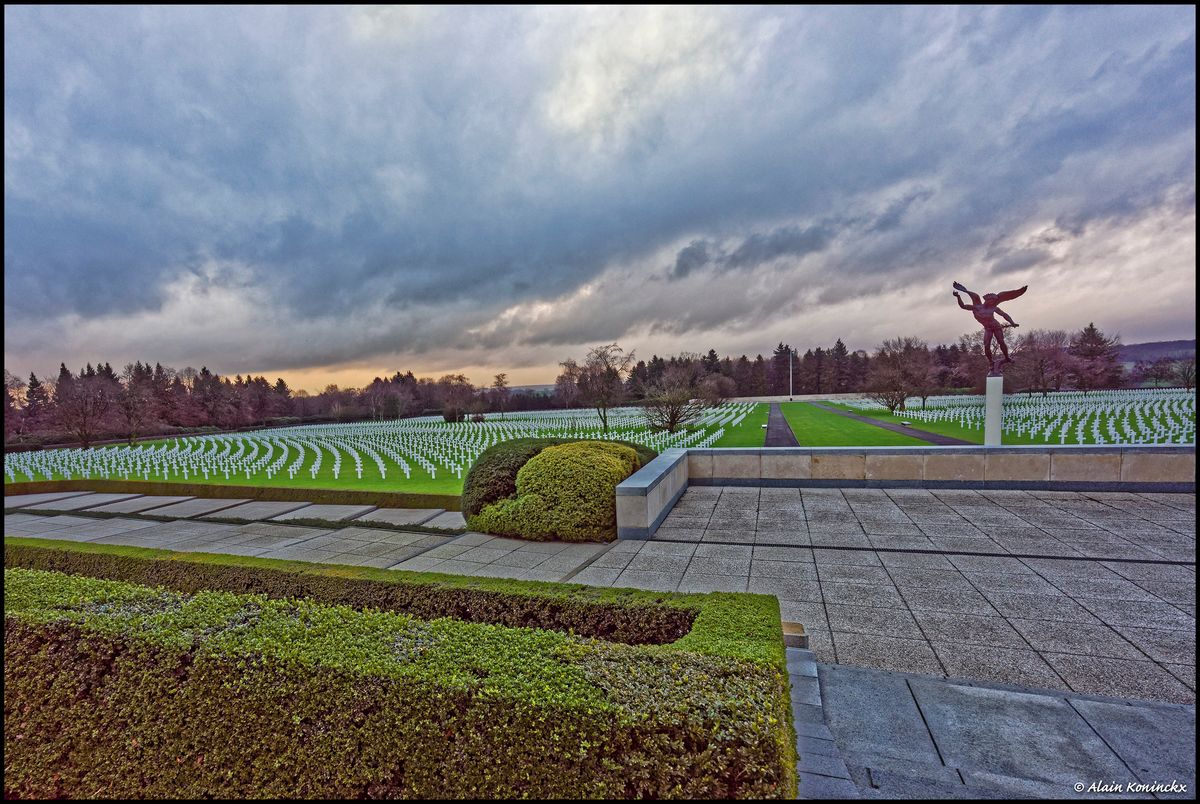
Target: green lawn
x,y
750,433
820,428
967,433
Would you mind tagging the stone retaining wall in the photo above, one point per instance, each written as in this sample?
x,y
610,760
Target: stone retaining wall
x,y
645,499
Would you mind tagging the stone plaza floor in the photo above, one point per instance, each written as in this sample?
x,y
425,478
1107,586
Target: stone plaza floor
x,y
1090,592
880,734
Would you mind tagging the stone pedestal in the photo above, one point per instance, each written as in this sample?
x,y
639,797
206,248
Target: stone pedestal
x,y
993,411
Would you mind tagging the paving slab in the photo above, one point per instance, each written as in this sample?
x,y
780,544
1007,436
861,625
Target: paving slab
x,y
259,510
1080,639
197,507
450,520
874,713
886,653
400,516
1123,678
1014,734
136,505
332,513
32,500
1005,665
1158,743
84,501
1161,644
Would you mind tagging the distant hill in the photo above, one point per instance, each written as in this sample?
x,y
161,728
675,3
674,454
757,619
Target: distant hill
x,y
1149,352
543,389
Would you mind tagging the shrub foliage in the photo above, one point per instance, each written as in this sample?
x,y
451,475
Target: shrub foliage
x,y
493,476
123,690
615,615
564,492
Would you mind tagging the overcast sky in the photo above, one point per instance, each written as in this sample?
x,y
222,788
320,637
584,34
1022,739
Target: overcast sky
x,y
328,194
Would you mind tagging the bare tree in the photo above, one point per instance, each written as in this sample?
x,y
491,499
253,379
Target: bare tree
x,y
1043,363
401,401
716,388
886,385
83,404
972,367
602,378
566,384
921,368
375,396
455,393
673,401
1185,373
500,392
902,367
13,414
135,401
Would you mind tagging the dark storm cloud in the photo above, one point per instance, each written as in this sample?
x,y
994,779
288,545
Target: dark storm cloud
x,y
345,183
691,258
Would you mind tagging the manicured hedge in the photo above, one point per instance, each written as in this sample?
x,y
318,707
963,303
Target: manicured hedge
x,y
119,690
565,492
617,615
384,499
493,476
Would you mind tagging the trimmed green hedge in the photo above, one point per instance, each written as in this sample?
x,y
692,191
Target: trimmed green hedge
x,y
120,690
565,492
617,615
383,499
493,476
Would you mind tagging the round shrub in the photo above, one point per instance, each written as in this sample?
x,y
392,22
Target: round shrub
x,y
565,492
493,476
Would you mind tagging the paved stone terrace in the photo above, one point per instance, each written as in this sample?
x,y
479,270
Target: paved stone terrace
x,y
878,734
1091,592
223,508
374,546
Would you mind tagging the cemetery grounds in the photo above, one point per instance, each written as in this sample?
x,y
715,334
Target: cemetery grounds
x,y
419,456
430,456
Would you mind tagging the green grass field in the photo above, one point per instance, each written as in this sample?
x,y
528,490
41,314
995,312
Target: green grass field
x,y
820,428
750,433
967,433
951,429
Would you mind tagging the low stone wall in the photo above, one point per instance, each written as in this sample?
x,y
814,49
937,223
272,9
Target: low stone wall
x,y
645,499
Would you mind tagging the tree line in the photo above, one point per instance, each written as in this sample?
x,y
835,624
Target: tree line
x,y
97,404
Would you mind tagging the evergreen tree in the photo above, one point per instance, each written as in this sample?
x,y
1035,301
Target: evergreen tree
x,y
839,360
1096,359
760,377
743,375
37,404
780,363
820,372
805,381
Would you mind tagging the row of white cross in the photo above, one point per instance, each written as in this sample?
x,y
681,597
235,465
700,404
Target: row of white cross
x,y
1143,416
427,445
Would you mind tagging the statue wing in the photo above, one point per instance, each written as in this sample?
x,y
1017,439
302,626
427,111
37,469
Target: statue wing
x,y
1009,295
974,296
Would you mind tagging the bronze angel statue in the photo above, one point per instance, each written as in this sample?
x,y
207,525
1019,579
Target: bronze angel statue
x,y
985,311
